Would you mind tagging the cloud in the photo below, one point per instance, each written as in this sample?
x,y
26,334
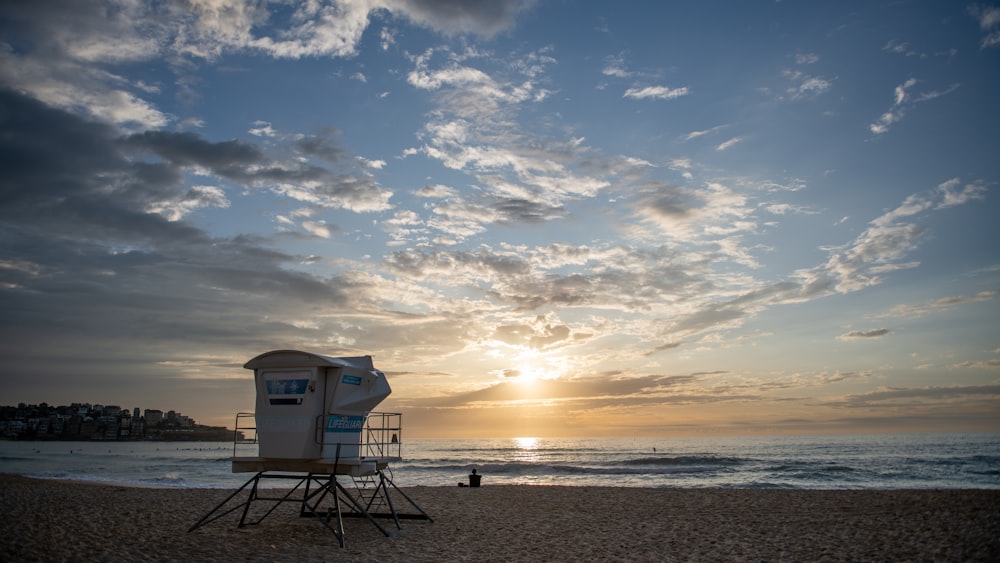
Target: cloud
x,y
107,266
944,303
103,244
519,178
989,22
556,275
311,29
456,75
536,336
864,334
903,102
262,129
839,377
72,85
450,17
197,197
600,391
812,86
227,159
789,209
664,347
437,191
916,397
328,28
59,42
104,213
78,30
987,364
728,144
320,146
806,58
317,228
387,37
695,214
806,86
616,66
508,280
896,112
655,93
896,46
883,246
696,134
956,194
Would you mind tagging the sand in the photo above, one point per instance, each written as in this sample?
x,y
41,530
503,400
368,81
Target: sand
x,y
45,520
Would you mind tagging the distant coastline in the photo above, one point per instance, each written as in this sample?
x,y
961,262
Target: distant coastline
x,y
85,422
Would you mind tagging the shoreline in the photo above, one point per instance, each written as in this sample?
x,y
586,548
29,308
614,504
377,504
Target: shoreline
x,y
54,520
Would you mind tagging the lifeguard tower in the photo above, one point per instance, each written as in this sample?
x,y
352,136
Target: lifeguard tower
x,y
314,423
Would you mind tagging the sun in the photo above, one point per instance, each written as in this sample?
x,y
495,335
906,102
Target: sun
x,y
533,365
528,366
529,373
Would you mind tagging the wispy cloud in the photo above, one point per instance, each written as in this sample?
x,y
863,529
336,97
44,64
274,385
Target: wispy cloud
x,y
989,23
806,58
805,85
864,334
916,396
984,364
920,309
884,245
655,93
728,144
696,134
903,101
616,66
898,47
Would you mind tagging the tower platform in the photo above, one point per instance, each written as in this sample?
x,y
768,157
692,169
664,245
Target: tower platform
x,y
352,467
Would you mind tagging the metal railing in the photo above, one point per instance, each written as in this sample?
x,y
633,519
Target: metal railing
x,y
381,436
246,426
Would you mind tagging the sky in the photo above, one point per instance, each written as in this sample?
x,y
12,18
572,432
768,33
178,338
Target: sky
x,y
540,218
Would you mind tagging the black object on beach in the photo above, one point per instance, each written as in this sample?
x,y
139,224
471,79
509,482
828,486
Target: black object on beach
x,y
474,479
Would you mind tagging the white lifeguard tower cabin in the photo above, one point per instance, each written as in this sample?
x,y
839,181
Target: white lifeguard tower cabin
x,y
313,407
314,421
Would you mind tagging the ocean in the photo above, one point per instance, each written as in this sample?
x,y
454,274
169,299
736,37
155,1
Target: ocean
x,y
897,461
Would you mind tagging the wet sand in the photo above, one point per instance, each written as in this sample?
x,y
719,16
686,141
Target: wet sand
x,y
46,520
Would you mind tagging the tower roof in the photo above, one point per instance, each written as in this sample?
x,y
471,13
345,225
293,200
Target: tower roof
x,y
296,358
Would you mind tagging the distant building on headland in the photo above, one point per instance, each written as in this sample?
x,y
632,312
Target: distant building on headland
x,y
83,421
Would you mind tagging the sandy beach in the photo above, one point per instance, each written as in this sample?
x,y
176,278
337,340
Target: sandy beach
x,y
46,520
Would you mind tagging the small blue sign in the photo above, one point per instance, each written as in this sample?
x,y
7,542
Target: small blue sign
x,y
351,380
341,423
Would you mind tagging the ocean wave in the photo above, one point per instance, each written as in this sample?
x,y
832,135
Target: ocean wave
x,y
173,459
166,480
686,460
521,469
15,458
514,449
